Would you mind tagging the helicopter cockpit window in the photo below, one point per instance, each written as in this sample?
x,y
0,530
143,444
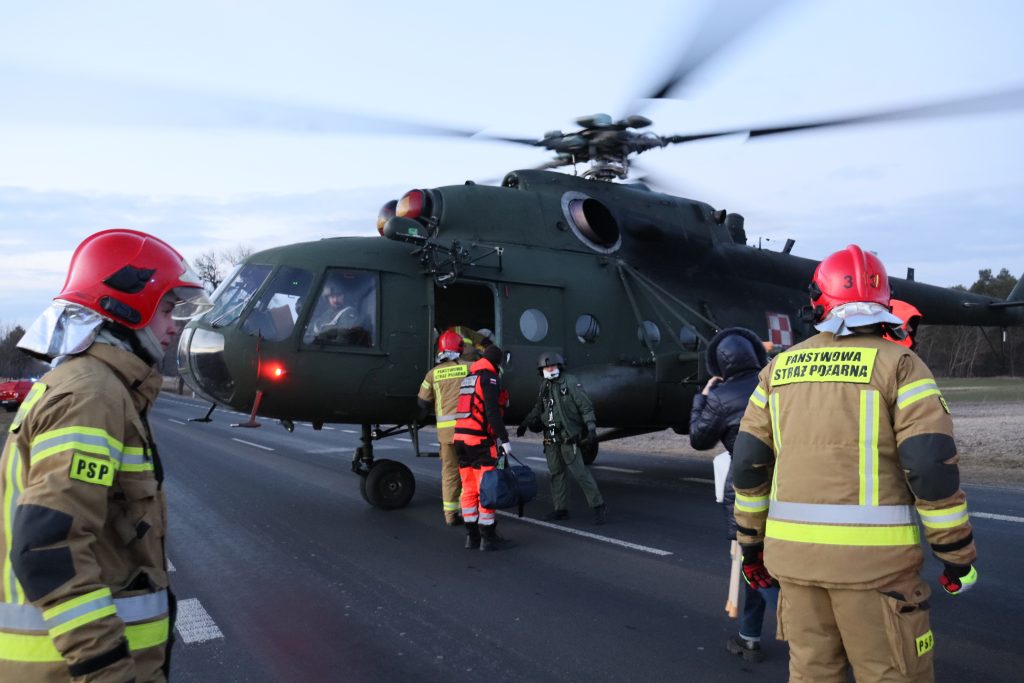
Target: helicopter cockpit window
x,y
346,310
688,338
587,329
533,324
592,222
234,293
275,312
649,331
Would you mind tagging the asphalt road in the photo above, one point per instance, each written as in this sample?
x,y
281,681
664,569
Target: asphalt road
x,y
284,573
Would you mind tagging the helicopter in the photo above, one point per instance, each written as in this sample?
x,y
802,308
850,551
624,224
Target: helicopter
x,y
627,283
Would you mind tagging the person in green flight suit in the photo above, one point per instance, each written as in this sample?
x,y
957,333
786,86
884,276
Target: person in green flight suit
x,y
565,415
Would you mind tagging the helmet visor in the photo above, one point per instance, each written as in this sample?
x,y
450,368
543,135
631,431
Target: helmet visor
x,y
192,303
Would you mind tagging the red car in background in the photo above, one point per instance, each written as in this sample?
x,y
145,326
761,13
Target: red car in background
x,y
13,393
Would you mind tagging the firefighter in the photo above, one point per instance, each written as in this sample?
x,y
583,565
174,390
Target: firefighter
x,y
905,334
844,436
84,589
440,392
479,434
474,341
564,413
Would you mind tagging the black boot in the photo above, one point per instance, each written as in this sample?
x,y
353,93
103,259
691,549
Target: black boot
x,y
600,514
472,536
556,515
490,540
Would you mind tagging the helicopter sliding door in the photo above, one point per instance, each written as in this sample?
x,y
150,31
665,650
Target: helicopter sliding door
x,y
465,304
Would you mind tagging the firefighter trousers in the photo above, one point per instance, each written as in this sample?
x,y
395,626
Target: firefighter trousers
x,y
472,511
451,482
564,459
883,634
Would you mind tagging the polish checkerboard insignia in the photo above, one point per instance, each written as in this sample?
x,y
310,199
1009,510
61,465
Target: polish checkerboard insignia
x,y
780,331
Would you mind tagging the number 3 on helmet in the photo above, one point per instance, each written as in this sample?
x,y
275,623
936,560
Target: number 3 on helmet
x,y
847,276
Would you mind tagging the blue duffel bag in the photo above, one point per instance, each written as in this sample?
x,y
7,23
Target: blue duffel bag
x,y
512,486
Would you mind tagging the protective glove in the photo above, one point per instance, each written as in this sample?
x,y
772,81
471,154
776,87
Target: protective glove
x,y
957,579
754,572
506,449
520,430
589,437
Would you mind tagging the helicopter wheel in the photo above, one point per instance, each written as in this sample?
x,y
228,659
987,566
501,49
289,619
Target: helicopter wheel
x,y
389,485
589,452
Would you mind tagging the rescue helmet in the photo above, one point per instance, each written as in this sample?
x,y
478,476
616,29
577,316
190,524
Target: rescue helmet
x,y
847,276
550,358
904,334
123,274
450,341
493,354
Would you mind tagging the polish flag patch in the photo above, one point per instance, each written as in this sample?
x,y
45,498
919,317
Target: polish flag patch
x,y
780,331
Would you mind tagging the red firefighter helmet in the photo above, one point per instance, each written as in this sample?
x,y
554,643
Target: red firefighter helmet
x,y
847,276
450,341
910,316
123,274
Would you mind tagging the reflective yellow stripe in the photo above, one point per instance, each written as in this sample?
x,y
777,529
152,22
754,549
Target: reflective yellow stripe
x,y
773,400
450,505
19,647
870,405
751,504
425,384
79,438
31,398
915,391
83,619
944,518
836,534
12,476
75,602
98,604
446,423
758,398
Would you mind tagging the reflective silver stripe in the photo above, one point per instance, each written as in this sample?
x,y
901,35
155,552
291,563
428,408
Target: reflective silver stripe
x,y
445,418
79,610
905,396
870,405
142,607
132,609
77,437
12,488
21,617
825,513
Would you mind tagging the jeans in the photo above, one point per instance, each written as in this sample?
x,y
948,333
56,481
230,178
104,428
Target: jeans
x,y
754,602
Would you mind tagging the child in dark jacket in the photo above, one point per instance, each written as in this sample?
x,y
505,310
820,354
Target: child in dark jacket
x,y
734,358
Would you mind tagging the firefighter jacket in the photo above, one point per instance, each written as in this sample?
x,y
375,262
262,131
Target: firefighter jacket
x,y
845,443
479,424
441,387
84,591
563,410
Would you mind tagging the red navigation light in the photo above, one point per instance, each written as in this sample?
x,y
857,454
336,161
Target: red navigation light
x,y
411,204
386,212
274,370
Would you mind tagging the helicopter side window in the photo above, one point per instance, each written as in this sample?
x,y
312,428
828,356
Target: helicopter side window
x,y
234,293
275,312
345,312
688,338
587,329
533,324
650,332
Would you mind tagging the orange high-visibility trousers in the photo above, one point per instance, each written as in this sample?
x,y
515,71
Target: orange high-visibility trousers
x,y
472,511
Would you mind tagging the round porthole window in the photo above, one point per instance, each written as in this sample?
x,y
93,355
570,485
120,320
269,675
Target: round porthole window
x,y
587,329
650,332
533,324
592,222
688,338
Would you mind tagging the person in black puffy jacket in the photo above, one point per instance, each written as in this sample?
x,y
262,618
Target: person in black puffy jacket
x,y
734,358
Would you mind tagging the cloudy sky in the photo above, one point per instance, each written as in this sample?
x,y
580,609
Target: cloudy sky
x,y
218,123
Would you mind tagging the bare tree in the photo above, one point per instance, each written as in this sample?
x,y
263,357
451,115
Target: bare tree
x,y
212,266
14,362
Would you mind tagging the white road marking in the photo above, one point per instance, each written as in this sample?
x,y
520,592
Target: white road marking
x,y
194,624
331,429
587,534
402,438
177,422
1001,518
170,567
616,469
350,431
435,444
699,480
250,443
535,458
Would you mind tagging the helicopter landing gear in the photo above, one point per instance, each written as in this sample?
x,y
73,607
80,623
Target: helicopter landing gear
x,y
384,484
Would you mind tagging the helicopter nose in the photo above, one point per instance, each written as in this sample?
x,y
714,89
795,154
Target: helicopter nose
x,y
201,363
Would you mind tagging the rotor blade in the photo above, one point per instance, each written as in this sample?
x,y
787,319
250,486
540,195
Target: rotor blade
x,y
723,24
1005,100
35,97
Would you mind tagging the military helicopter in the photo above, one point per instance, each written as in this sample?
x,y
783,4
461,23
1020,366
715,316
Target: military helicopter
x,y
627,283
